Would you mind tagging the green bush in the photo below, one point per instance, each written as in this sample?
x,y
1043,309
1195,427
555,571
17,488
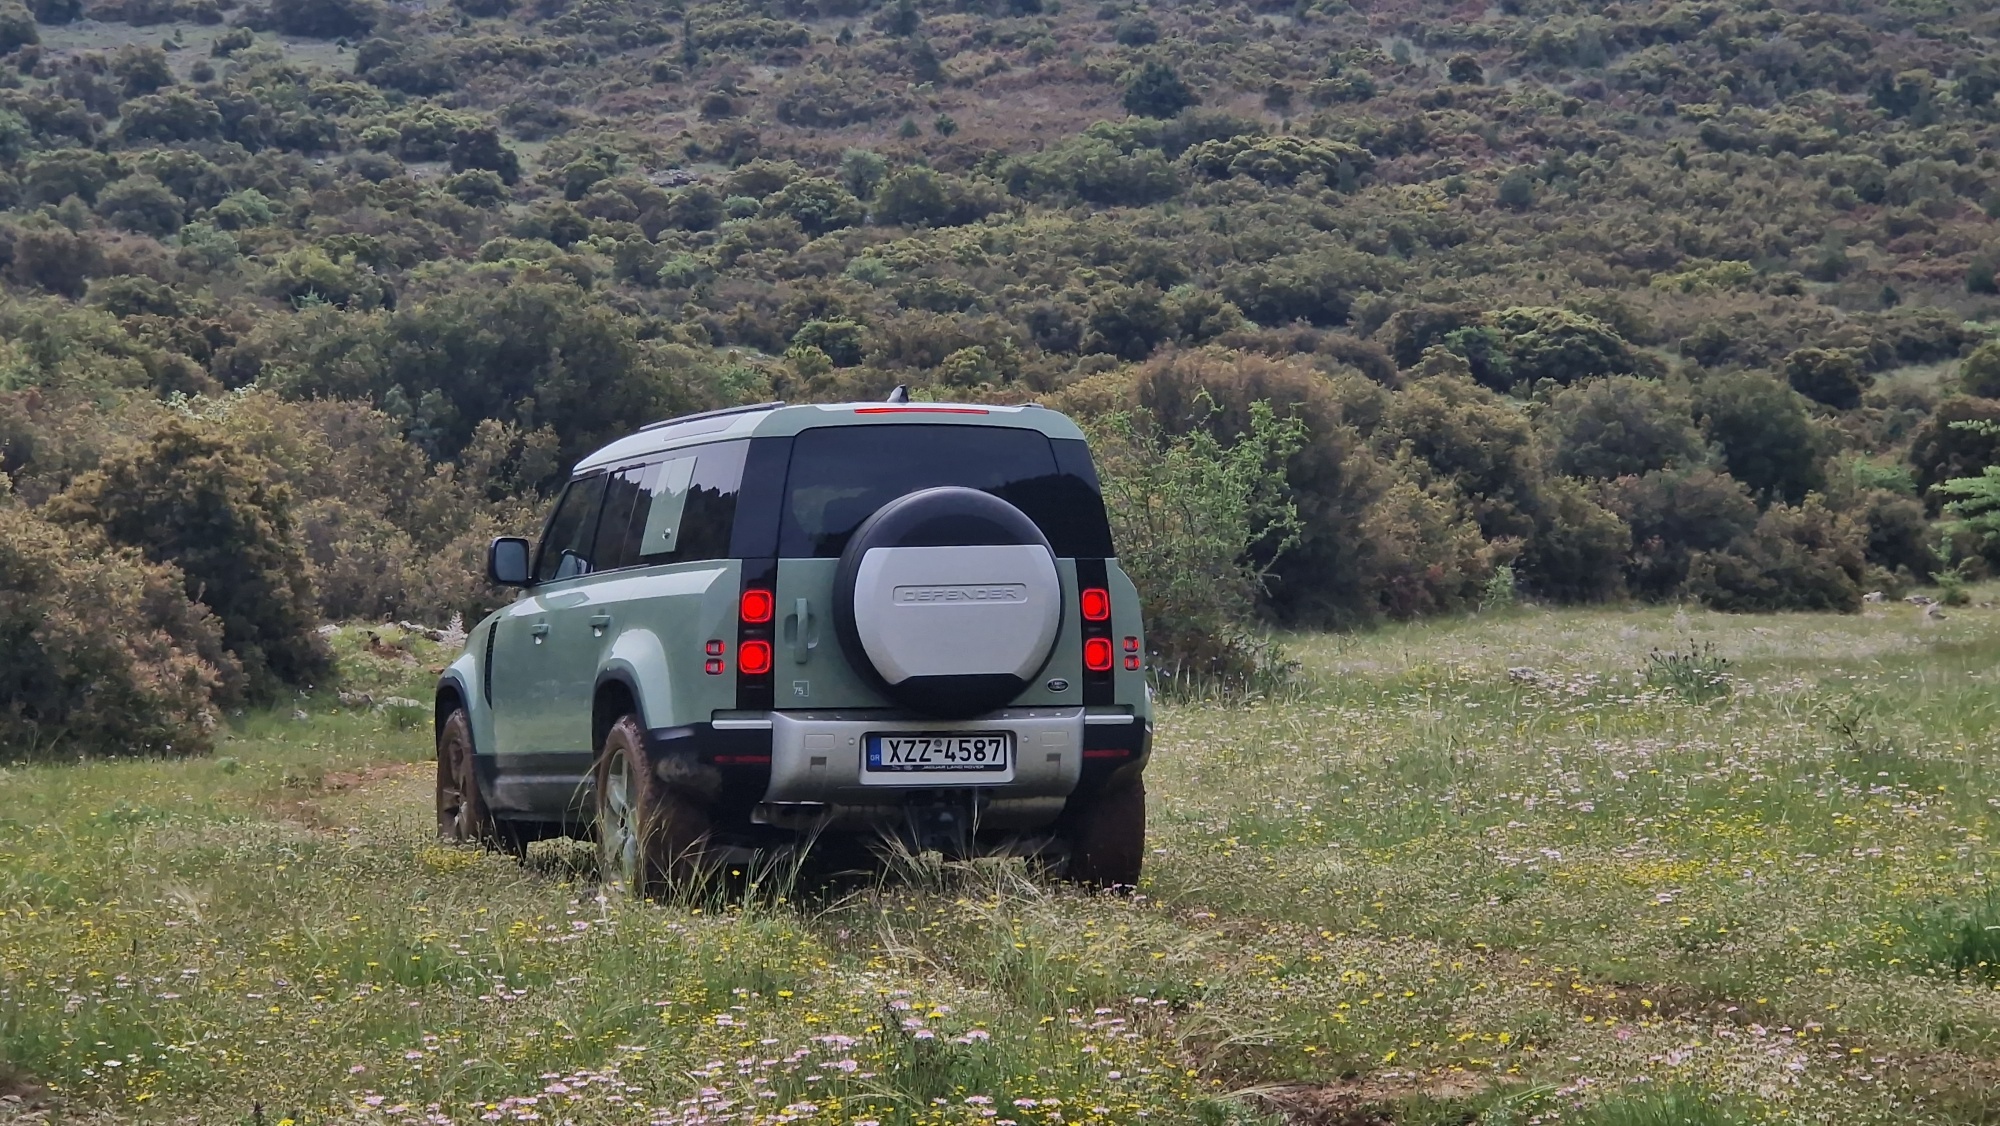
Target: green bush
x,y
325,19
1186,511
1617,427
921,197
1979,375
191,499
1806,557
1674,514
1959,440
1156,90
101,652
1560,345
1830,377
1764,432
143,204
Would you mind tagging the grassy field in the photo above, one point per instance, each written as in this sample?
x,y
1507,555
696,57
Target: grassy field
x,y
1511,870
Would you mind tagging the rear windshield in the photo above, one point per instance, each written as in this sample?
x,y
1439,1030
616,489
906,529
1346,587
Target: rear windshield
x,y
840,475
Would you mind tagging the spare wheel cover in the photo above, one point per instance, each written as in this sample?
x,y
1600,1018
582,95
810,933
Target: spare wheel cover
x,y
948,600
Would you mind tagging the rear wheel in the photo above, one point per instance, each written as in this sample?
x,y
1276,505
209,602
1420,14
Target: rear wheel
x,y
1107,837
652,838
462,816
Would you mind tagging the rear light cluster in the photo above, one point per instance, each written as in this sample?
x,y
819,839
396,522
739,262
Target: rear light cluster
x,y
1131,654
1095,604
756,623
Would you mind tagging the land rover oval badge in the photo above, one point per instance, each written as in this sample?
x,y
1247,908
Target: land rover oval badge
x,y
1057,684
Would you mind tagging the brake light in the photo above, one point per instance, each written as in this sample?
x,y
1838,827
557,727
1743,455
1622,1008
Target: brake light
x,y
1096,654
758,605
921,410
754,657
1096,602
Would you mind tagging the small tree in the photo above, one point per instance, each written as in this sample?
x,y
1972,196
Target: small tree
x,y
192,499
1465,70
1185,512
1157,91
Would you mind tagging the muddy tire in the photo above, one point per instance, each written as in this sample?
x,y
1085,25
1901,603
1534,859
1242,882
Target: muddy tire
x,y
652,837
1107,837
462,816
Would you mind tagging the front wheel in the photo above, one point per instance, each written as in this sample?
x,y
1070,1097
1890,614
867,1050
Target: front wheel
x,y
462,816
1107,836
652,838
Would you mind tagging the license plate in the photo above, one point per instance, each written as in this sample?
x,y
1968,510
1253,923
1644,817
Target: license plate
x,y
982,754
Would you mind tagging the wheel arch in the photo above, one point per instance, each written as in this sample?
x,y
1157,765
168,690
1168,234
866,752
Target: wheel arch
x,y
616,694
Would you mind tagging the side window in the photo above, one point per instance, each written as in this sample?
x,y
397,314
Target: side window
x,y
568,544
617,533
687,505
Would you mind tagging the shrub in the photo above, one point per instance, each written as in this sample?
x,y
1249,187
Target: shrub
x,y
1766,437
817,205
143,204
1979,375
1806,557
1560,345
1157,90
17,28
1373,540
1899,536
101,652
1832,377
1470,436
1578,549
1186,509
1672,515
1618,427
193,500
1093,169
920,197
167,119
1276,160
1959,440
325,19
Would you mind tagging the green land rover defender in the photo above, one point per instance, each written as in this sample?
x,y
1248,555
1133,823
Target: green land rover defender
x,y
753,628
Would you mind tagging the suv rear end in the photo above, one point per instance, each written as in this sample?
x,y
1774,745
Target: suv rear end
x,y
955,652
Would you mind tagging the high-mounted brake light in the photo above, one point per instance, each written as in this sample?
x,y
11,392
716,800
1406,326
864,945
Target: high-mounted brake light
x,y
1096,654
1096,603
754,657
758,605
921,410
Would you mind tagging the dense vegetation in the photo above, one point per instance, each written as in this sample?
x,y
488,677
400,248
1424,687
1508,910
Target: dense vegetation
x,y
1655,299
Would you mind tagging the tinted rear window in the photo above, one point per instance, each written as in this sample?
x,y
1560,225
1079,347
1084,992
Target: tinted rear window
x,y
840,475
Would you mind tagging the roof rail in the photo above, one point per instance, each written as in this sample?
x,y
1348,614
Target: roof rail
x,y
712,414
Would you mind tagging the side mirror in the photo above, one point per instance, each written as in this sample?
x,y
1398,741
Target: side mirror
x,y
507,561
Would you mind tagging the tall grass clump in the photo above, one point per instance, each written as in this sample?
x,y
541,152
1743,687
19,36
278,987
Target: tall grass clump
x,y
1697,674
1963,939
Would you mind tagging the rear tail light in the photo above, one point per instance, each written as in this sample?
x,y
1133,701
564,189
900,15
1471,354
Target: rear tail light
x,y
1096,654
756,633
1096,604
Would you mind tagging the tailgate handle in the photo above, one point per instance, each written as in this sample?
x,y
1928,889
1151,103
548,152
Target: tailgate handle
x,y
599,622
539,629
800,632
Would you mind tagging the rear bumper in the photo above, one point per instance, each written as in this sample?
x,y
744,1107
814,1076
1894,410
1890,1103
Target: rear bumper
x,y
803,769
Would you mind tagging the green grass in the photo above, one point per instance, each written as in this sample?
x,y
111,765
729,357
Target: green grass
x,y
1497,870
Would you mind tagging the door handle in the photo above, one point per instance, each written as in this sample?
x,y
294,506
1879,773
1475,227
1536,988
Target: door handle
x,y
538,631
804,638
598,623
